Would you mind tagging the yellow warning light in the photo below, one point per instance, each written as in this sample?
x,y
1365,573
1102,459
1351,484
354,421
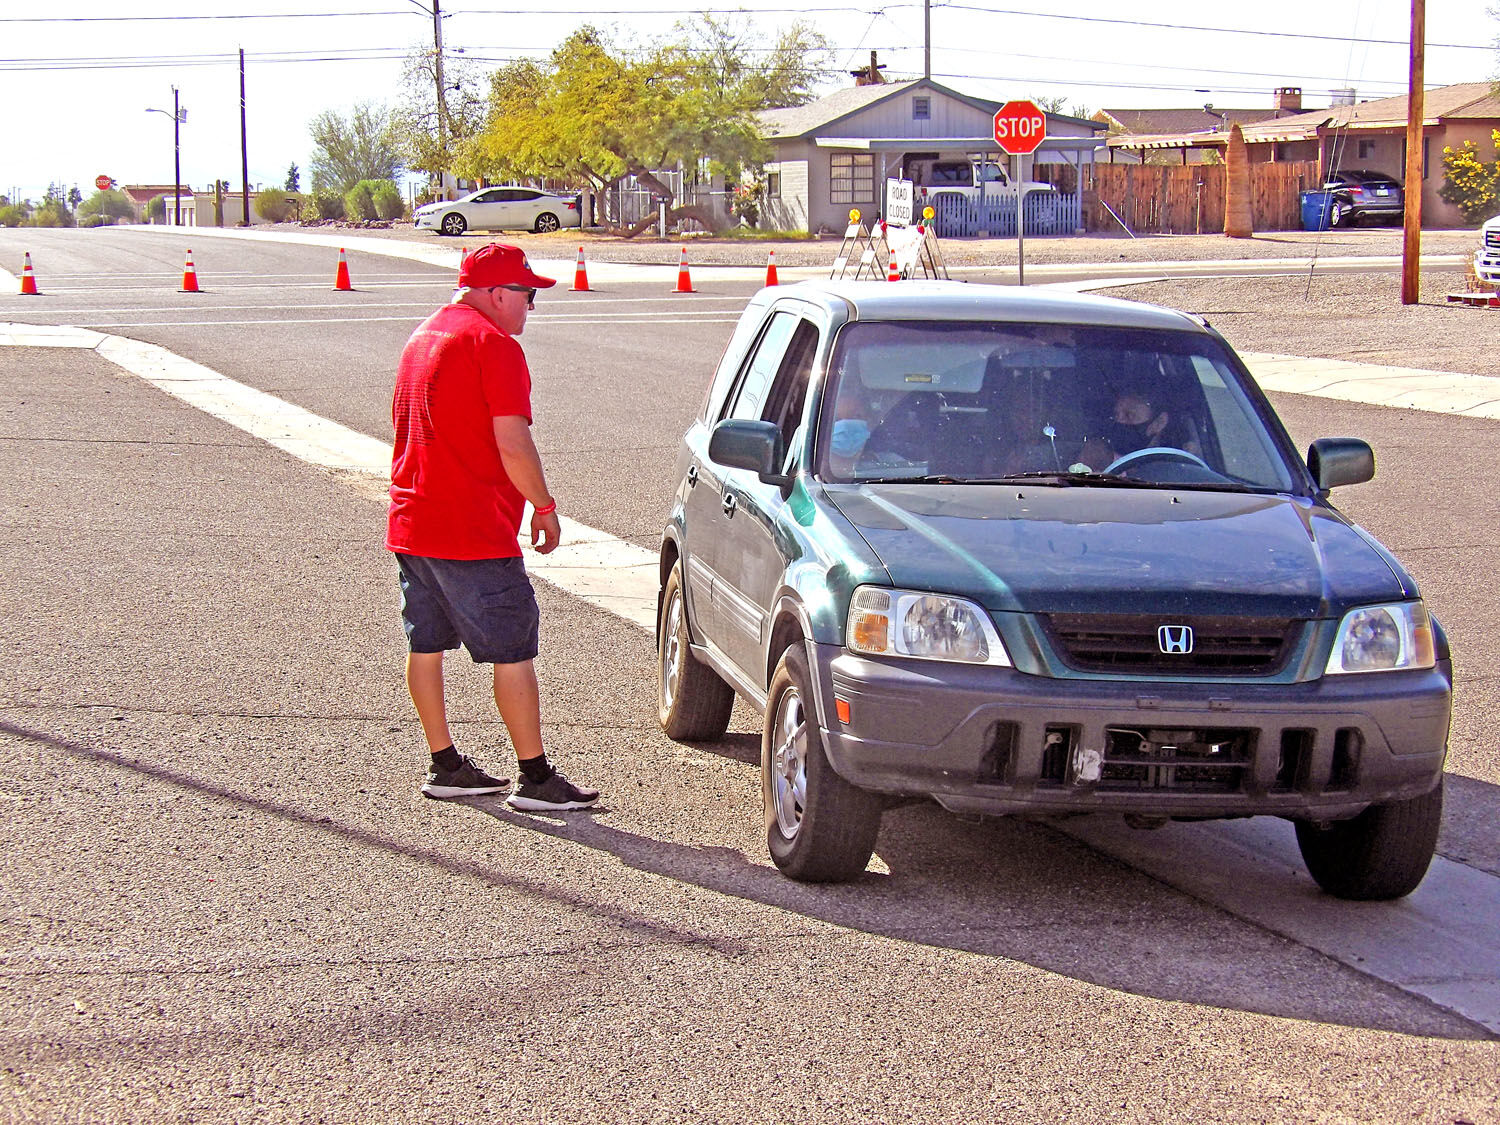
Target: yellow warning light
x,y
928,213
854,214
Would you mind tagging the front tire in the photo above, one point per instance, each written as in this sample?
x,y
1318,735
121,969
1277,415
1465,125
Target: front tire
x,y
1336,214
454,223
693,703
819,828
1382,853
546,223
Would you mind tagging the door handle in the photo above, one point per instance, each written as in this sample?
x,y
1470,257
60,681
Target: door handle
x,y
730,504
692,474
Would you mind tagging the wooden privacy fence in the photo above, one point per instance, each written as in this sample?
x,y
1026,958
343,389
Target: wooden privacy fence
x,y
1189,199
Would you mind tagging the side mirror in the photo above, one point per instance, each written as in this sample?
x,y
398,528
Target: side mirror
x,y
742,443
1335,461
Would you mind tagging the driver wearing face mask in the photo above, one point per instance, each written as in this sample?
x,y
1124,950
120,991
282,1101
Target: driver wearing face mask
x,y
1139,423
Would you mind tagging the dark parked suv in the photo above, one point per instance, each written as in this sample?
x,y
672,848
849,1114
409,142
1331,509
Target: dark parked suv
x,y
1030,552
1359,195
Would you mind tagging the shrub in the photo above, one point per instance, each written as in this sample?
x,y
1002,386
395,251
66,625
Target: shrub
x,y
95,221
1471,184
110,206
14,215
359,203
388,201
327,204
274,206
156,209
52,213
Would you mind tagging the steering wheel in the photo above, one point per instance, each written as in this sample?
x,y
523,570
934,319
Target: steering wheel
x,y
1155,453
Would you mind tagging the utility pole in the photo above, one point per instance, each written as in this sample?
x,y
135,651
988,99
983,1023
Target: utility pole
x,y
244,152
442,94
176,157
927,39
1411,243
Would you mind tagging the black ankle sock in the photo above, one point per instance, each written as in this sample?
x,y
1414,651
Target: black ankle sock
x,y
535,769
449,759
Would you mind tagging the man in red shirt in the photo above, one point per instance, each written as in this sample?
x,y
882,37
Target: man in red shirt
x,y
463,468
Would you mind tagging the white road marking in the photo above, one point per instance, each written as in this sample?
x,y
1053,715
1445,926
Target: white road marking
x,y
1437,944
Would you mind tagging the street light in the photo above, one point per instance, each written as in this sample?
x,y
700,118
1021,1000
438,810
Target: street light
x,y
178,115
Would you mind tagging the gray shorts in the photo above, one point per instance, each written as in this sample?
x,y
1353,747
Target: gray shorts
x,y
487,604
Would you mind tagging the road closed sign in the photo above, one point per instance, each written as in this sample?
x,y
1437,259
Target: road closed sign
x,y
1020,127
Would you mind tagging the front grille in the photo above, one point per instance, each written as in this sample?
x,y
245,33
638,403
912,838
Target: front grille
x,y
1198,761
1492,239
1127,642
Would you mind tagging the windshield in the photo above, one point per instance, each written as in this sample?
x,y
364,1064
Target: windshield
x,y
1079,403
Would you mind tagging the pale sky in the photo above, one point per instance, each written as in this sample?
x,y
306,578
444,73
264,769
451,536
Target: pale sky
x,y
76,80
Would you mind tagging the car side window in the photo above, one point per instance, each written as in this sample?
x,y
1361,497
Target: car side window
x,y
489,197
749,398
789,390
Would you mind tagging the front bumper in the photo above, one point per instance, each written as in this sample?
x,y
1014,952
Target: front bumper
x,y
992,740
427,222
1487,266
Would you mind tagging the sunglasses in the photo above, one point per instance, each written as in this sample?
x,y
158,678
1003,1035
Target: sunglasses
x,y
530,293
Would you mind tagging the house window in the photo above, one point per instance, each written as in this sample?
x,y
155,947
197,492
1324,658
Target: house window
x,y
1366,149
921,109
852,178
773,185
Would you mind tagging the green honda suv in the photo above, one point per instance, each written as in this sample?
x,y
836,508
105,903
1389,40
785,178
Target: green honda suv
x,y
1029,552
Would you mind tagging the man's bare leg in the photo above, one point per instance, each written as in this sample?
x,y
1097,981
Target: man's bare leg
x,y
424,679
519,701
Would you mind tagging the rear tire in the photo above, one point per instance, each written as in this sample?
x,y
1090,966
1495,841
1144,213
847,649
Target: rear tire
x,y
693,703
819,828
1382,853
546,223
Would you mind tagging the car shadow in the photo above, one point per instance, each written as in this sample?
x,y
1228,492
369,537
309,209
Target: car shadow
x,y
1002,888
1028,892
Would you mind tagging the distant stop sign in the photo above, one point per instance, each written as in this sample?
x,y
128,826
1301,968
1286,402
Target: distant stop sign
x,y
103,182
1020,127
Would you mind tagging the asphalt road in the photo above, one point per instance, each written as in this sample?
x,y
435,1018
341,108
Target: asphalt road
x,y
223,899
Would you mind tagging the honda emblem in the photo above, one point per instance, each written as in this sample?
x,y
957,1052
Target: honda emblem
x,y
1175,640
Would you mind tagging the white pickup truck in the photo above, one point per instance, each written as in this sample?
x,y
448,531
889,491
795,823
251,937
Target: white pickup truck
x,y
970,179
1487,258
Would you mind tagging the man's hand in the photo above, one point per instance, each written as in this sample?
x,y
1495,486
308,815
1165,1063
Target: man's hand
x,y
546,532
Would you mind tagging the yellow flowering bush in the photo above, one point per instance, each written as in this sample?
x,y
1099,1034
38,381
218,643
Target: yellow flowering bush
x,y
1469,183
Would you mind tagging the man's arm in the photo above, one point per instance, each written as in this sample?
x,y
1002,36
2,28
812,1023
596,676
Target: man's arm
x,y
523,465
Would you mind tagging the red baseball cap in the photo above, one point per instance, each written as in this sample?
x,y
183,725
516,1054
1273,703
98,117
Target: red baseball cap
x,y
499,264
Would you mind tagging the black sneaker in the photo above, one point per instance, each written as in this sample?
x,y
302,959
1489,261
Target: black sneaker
x,y
556,794
469,780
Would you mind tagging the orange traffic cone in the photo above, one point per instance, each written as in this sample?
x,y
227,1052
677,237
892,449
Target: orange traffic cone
x,y
771,267
341,278
28,279
580,275
684,280
894,274
189,276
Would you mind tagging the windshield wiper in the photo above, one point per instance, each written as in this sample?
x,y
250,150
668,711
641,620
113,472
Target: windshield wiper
x,y
936,478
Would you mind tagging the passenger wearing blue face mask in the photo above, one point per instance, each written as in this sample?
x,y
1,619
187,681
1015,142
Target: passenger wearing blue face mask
x,y
851,427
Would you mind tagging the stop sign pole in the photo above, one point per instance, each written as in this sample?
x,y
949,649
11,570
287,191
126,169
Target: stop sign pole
x,y
1020,128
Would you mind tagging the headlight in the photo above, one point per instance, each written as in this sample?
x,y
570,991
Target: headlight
x,y
1383,638
923,626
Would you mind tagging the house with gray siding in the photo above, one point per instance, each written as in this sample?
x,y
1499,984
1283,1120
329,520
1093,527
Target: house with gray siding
x,y
835,154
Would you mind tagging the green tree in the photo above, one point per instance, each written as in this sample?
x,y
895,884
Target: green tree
x,y
361,147
595,113
75,197
293,178
429,137
110,206
1469,183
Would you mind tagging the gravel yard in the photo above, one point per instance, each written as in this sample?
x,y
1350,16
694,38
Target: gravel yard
x,y
1353,316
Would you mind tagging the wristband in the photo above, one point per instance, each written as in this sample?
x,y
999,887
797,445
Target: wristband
x,y
547,510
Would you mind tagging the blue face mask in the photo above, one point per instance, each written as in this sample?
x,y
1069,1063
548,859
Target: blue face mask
x,y
849,436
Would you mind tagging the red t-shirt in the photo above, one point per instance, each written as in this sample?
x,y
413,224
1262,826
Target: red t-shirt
x,y
450,497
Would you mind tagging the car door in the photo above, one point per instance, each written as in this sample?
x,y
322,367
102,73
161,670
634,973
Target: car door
x,y
710,510
485,210
750,573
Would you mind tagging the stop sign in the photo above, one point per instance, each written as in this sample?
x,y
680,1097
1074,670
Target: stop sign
x,y
1020,127
103,183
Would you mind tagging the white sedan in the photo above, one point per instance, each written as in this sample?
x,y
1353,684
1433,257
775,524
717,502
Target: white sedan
x,y
501,208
